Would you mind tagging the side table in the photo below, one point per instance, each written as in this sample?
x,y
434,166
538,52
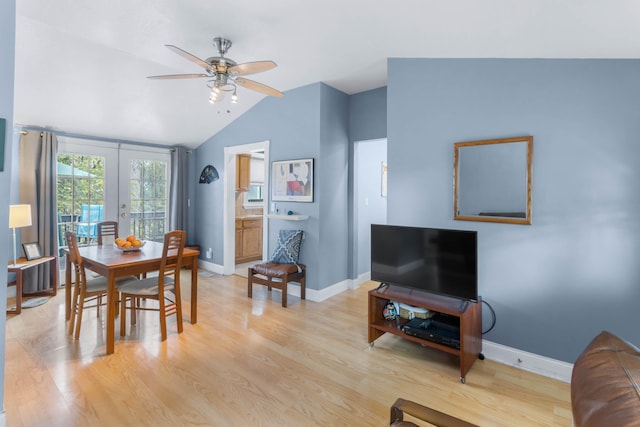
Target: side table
x,y
20,268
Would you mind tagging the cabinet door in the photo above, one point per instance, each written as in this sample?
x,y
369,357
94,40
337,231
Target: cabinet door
x,y
243,170
252,238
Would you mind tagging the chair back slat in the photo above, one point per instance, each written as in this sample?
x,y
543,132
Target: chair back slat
x,y
107,228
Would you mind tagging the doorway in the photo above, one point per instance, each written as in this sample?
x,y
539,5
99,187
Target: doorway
x,y
370,199
231,238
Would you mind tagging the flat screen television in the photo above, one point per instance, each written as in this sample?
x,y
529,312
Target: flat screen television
x,y
439,261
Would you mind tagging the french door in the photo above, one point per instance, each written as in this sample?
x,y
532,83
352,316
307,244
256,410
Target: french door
x,y
99,181
143,207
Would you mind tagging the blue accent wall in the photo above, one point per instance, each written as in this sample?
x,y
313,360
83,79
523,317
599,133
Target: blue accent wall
x,y
574,272
309,122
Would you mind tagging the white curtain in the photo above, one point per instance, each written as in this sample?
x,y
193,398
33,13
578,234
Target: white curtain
x,y
37,176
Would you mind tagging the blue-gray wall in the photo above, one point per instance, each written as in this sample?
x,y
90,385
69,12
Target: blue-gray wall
x,y
7,52
367,121
309,122
575,271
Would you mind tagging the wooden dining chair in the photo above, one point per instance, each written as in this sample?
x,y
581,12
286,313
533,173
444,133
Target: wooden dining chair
x,y
83,290
107,229
165,288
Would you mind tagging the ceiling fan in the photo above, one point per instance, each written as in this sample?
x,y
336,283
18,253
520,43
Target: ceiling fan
x,y
225,74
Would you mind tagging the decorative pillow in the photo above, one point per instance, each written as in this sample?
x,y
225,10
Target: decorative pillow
x,y
287,247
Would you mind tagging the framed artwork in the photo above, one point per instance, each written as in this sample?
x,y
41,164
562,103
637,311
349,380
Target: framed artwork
x,y
32,250
292,181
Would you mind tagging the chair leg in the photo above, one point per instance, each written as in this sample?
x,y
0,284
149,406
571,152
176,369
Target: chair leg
x,y
250,283
285,280
178,307
80,306
123,314
163,319
74,311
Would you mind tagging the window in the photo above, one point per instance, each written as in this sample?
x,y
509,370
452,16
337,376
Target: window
x,y
253,199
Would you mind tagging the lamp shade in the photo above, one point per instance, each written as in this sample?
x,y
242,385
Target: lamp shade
x,y
19,216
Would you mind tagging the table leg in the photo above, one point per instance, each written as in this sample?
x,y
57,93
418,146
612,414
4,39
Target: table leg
x,y
111,313
194,290
67,289
19,291
54,275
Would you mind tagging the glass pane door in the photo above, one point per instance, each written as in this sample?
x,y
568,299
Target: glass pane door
x,y
144,194
86,190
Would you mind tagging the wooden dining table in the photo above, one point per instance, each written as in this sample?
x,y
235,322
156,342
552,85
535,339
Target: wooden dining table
x,y
111,262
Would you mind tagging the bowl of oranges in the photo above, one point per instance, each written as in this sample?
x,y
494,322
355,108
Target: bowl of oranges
x,y
129,244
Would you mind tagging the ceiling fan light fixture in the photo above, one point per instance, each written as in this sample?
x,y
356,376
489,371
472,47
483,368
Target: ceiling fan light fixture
x,y
224,74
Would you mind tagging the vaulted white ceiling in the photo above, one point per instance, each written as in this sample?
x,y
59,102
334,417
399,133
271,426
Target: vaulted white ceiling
x,y
81,67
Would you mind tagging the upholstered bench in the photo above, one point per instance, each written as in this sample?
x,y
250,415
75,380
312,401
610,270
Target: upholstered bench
x,y
276,275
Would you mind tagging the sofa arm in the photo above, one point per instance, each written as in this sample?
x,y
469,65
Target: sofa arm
x,y
436,418
604,383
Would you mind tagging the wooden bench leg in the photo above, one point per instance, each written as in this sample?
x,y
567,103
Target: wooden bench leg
x,y
284,290
249,283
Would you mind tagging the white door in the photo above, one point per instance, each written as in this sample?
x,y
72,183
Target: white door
x,y
143,206
100,181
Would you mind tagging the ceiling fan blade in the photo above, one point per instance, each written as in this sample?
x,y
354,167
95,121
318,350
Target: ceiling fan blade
x,y
189,56
179,76
259,87
252,67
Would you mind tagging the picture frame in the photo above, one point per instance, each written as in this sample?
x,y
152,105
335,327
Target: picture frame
x,y
292,181
32,251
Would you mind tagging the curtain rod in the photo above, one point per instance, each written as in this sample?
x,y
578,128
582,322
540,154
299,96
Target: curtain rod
x,y
26,132
96,138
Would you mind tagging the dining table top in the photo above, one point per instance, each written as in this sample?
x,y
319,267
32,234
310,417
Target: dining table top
x,y
109,256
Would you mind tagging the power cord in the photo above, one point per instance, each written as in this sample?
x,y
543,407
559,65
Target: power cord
x,y
493,317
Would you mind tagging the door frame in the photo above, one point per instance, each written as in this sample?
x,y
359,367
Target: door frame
x,y
229,214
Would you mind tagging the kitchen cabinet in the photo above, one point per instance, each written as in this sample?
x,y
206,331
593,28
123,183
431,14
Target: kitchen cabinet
x,y
243,172
248,240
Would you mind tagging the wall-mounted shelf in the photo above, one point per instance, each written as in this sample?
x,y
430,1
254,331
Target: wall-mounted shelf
x,y
289,217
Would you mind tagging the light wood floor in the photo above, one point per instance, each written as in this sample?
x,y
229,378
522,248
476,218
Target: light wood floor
x,y
253,363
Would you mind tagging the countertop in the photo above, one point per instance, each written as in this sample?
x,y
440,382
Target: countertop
x,y
250,217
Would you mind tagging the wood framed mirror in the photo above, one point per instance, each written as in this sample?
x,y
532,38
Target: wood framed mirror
x,y
492,180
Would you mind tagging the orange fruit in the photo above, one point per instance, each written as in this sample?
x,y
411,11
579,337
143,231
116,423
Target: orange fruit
x,y
131,238
136,243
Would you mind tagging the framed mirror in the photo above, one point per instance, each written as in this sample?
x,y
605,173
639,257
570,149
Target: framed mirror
x,y
492,180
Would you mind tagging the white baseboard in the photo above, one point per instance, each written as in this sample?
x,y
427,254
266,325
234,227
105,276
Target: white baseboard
x,y
531,362
521,359
209,266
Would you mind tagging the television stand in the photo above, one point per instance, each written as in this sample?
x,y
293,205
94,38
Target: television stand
x,y
469,313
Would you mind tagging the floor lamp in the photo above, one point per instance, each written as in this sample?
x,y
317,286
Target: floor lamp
x,y
19,216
